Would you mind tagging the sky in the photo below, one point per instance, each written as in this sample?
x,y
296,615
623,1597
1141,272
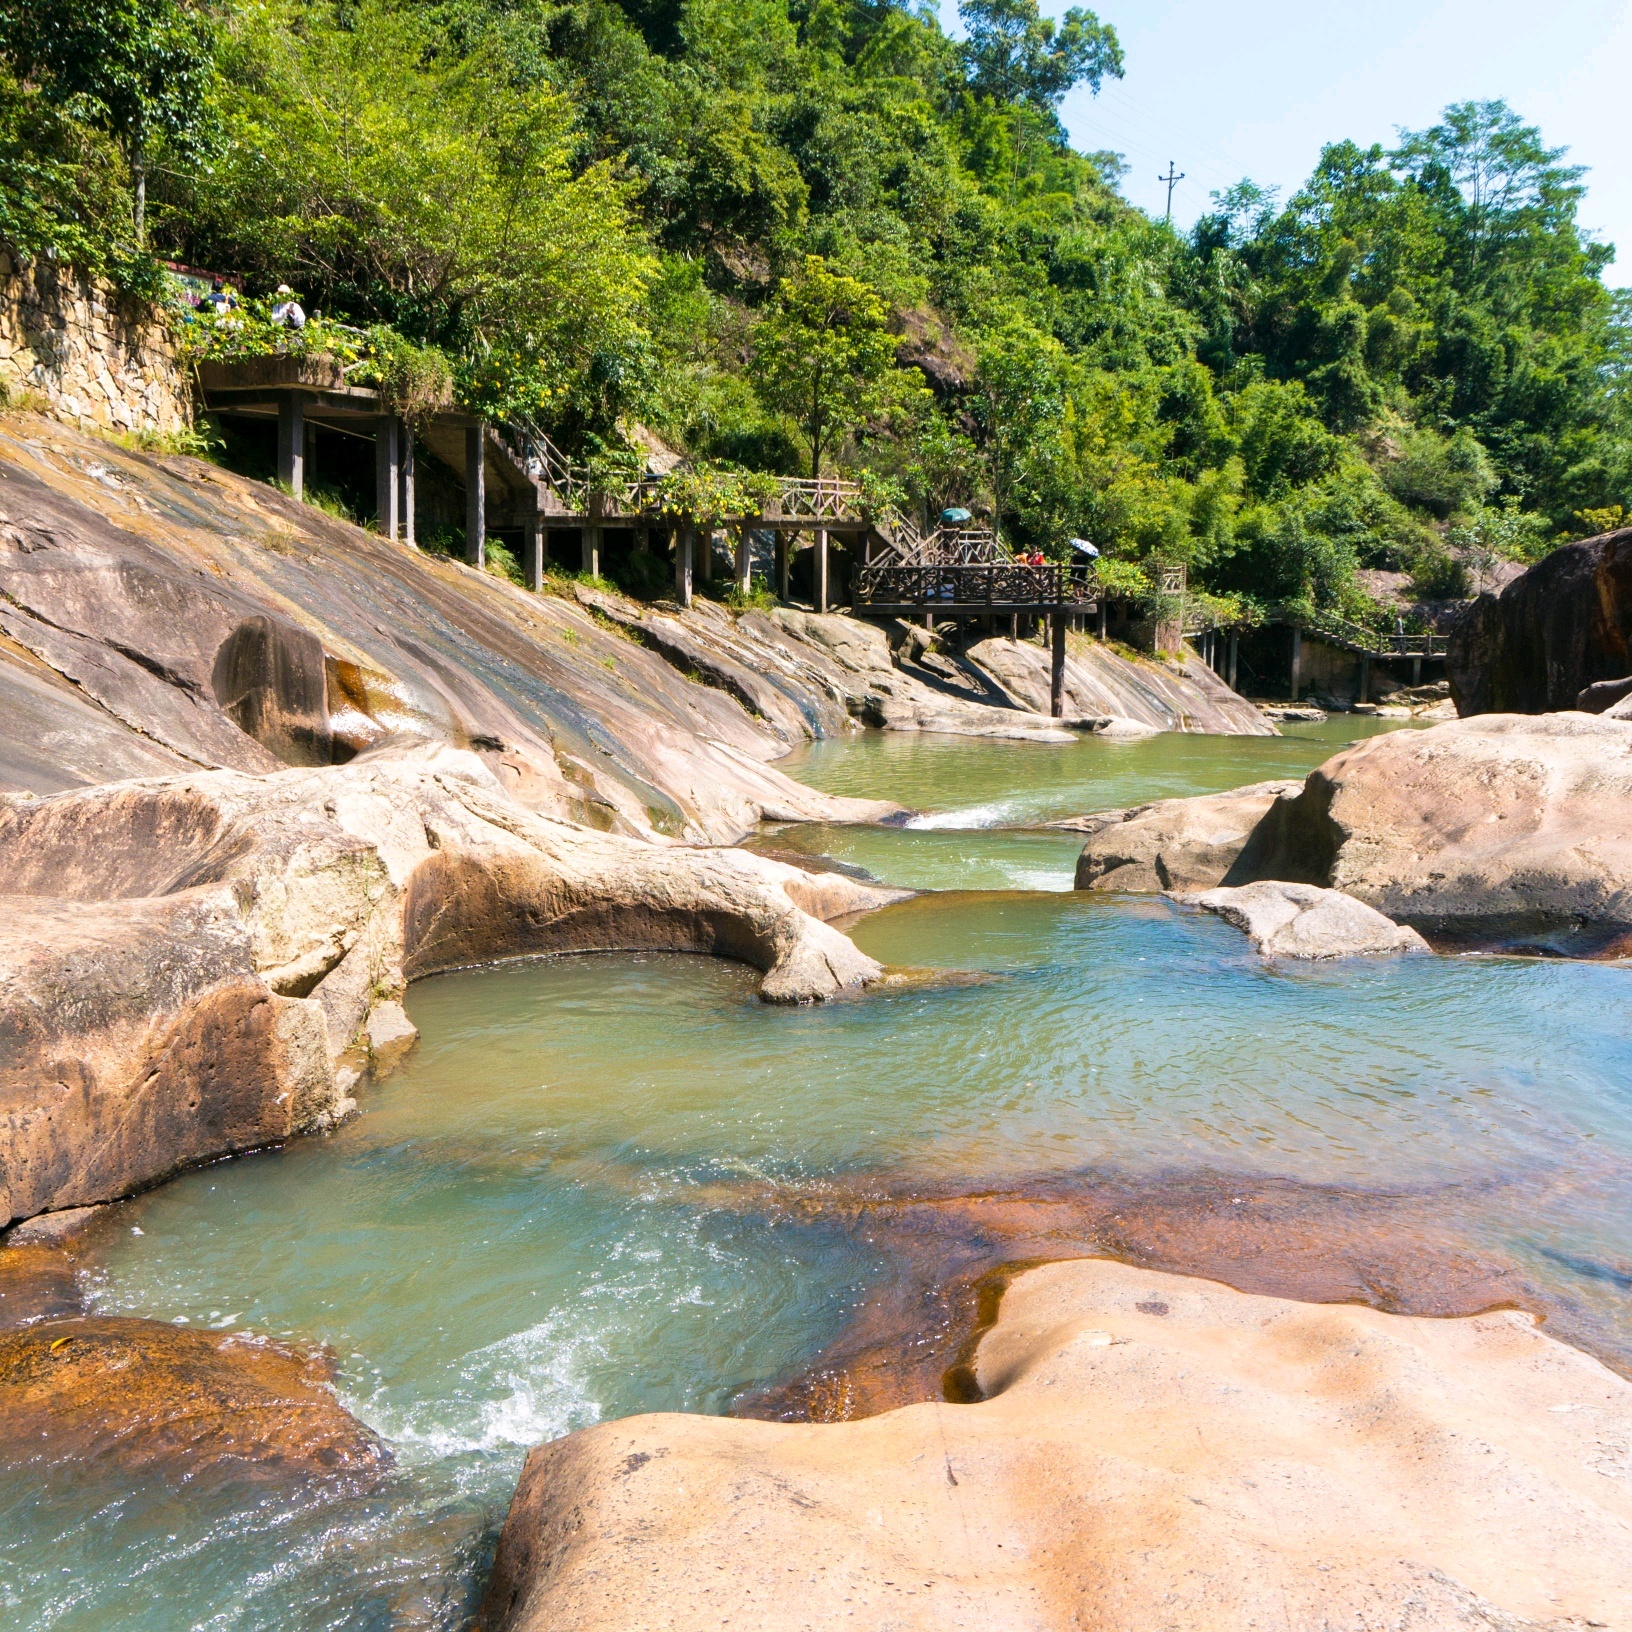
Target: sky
x,y
1254,88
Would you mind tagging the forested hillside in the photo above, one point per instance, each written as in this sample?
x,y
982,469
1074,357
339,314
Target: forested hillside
x,y
788,235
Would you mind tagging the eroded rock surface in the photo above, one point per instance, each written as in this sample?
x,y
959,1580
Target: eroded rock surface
x,y
1172,844
1100,682
147,1396
1151,1451
1504,818
162,614
196,965
1564,625
1483,830
1305,921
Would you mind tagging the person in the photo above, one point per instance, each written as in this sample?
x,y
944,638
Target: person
x,y
287,313
222,297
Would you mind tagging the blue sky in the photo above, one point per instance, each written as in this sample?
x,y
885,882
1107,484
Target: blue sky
x,y
1255,87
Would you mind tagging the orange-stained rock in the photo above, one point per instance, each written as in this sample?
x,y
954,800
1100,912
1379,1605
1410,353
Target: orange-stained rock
x,y
1152,1452
141,1394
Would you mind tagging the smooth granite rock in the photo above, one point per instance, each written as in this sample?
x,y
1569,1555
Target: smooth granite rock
x,y
1504,817
196,965
1173,844
1305,921
1151,1451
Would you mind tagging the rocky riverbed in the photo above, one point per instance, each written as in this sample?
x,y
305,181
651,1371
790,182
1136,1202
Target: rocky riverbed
x,y
271,784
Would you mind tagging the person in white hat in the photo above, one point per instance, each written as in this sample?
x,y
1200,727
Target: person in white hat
x,y
287,313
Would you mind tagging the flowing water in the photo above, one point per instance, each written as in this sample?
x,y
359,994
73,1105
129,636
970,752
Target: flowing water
x,y
556,1213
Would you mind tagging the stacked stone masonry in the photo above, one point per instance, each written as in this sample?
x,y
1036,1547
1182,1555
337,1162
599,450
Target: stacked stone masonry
x,y
98,360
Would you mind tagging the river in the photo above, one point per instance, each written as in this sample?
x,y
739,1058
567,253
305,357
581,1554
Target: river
x,y
562,1210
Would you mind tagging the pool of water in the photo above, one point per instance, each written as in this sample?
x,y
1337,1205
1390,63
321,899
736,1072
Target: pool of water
x,y
971,797
554,1214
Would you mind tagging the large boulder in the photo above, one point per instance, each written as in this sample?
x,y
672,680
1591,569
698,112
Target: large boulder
x,y
197,965
1172,844
1561,627
1503,820
1150,1451
1305,921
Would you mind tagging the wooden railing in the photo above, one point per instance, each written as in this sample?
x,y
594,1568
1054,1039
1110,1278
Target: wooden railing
x,y
993,584
1360,637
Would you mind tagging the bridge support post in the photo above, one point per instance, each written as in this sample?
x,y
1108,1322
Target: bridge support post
x,y
819,592
387,476
783,554
1365,677
405,472
590,537
1297,660
1235,647
532,551
292,443
476,494
1056,674
682,562
744,562
1416,671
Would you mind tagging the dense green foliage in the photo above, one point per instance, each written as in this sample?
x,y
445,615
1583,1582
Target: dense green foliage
x,y
818,234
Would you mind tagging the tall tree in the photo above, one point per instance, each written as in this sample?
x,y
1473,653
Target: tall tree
x,y
1017,55
823,355
141,70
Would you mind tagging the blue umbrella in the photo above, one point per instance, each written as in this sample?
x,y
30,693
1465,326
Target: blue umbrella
x,y
1081,546
955,516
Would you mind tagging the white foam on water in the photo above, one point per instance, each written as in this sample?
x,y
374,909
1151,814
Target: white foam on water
x,y
998,813
512,1395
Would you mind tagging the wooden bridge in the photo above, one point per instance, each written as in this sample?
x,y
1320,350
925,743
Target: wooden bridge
x,y
515,478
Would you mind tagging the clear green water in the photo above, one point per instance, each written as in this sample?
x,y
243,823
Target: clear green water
x,y
530,1229
971,794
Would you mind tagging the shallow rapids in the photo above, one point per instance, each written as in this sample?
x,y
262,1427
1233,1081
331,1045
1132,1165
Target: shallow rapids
x,y
618,1184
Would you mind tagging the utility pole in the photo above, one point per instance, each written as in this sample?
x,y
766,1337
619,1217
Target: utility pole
x,y
1173,174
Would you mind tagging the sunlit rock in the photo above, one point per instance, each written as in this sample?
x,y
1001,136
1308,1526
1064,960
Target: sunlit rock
x,y
1150,1450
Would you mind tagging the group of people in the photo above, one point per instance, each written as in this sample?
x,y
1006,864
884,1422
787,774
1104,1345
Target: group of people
x,y
287,312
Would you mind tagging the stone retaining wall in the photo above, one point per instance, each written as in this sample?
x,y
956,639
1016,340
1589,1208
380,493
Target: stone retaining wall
x,y
98,360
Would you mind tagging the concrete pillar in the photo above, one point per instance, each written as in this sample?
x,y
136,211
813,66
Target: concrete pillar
x,y
476,494
292,443
387,476
1365,677
1235,649
744,562
590,542
1416,671
405,471
1014,626
1297,661
1101,617
532,551
683,534
784,560
1056,675
819,593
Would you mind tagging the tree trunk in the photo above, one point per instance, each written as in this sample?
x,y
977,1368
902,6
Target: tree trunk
x,y
138,185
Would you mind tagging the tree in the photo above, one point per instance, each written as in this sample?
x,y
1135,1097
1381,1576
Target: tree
x,y
1016,55
389,179
823,355
141,70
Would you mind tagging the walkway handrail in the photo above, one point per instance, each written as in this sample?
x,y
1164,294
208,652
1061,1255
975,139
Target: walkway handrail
x,y
990,583
1374,642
